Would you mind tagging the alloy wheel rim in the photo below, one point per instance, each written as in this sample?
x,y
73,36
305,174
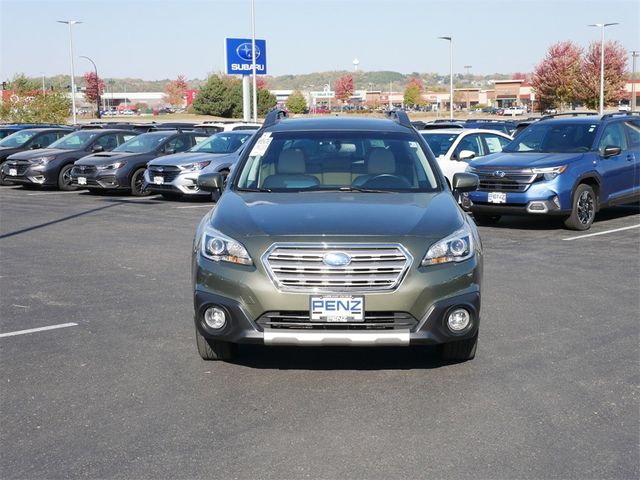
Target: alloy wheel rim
x,y
138,182
66,177
585,208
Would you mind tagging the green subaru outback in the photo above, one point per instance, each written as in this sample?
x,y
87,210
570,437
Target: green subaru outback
x,y
337,231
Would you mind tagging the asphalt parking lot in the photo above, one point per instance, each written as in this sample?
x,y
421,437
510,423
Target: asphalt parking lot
x,y
119,391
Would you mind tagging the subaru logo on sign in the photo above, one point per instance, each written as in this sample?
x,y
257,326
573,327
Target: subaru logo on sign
x,y
244,52
336,259
499,174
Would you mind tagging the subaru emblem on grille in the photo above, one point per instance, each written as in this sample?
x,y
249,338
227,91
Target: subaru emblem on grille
x,y
499,174
336,259
160,169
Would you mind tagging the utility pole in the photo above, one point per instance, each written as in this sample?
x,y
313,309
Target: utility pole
x,y
634,55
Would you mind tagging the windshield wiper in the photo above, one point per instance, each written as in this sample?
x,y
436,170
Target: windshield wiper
x,y
346,189
253,189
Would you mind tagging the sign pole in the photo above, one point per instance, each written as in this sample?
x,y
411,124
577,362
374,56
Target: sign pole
x,y
246,98
253,61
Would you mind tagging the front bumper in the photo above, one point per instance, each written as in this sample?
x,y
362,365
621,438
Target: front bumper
x,y
539,199
28,174
424,299
99,180
182,183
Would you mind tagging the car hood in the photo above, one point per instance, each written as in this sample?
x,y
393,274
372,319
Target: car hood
x,y
429,215
6,151
105,158
182,158
41,152
525,160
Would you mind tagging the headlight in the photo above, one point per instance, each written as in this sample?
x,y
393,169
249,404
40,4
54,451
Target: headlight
x,y
43,160
455,248
220,248
112,166
549,173
196,166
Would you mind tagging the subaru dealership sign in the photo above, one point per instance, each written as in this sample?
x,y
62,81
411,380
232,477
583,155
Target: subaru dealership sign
x,y
239,56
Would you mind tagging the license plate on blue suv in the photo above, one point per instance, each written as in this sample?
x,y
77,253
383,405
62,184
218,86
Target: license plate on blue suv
x,y
336,309
497,197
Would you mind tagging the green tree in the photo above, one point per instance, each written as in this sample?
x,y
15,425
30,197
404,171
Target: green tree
x,y
296,102
217,97
266,101
35,107
22,84
413,92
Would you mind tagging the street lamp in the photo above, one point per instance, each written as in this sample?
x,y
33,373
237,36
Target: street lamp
x,y
450,39
95,70
73,82
602,27
253,61
634,55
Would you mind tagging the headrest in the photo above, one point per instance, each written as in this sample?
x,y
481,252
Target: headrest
x,y
381,161
291,161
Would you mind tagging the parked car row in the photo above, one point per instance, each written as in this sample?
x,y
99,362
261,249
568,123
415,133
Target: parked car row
x,y
117,159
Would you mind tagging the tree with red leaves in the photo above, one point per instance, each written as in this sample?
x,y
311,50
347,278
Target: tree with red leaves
x,y
344,88
95,87
174,91
261,83
555,78
413,92
615,66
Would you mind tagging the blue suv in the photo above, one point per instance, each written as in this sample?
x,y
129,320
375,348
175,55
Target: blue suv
x,y
570,167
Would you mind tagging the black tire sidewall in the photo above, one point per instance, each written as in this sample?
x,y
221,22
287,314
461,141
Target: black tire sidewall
x,y
61,185
572,222
136,174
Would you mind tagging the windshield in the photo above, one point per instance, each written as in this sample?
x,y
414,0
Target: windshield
x,y
543,137
74,141
144,143
440,143
18,139
223,142
329,161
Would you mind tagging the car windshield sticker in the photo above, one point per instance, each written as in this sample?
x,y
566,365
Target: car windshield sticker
x,y
261,146
592,128
413,144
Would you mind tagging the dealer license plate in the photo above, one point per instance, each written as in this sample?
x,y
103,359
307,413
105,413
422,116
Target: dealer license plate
x,y
336,309
497,197
13,172
82,181
158,180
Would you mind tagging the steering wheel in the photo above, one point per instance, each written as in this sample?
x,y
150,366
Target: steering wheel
x,y
387,180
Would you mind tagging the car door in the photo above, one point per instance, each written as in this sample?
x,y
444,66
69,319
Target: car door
x,y
616,171
632,129
471,142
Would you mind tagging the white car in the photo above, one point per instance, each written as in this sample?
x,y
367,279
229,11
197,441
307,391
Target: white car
x,y
513,111
454,147
624,108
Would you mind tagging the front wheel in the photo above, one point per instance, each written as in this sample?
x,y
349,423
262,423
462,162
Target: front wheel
x,y
214,349
461,350
64,178
137,184
583,208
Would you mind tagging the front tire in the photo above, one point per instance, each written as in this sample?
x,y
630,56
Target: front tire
x,y
460,351
583,208
64,179
214,349
137,184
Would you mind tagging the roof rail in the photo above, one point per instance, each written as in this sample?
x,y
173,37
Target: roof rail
x,y
567,114
621,114
400,116
274,116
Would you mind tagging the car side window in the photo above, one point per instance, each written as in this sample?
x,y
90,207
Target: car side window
x,y
612,136
124,137
181,143
46,139
198,139
495,143
108,142
472,143
633,133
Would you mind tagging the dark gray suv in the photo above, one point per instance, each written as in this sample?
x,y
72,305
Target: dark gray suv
x,y
337,231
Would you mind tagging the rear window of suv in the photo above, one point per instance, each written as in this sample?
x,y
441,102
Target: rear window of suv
x,y
563,137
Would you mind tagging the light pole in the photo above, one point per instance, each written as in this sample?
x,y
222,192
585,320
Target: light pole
x,y
43,89
95,70
73,82
634,55
450,75
602,27
253,61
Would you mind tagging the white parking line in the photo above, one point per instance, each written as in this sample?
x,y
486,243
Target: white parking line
x,y
602,233
196,206
41,329
50,193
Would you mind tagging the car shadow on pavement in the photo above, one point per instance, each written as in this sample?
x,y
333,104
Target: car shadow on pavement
x,y
339,358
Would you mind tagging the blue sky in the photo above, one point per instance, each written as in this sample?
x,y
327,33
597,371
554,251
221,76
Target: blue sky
x,y
157,39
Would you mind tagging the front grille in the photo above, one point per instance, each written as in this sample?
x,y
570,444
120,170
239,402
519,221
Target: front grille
x,y
510,182
19,167
168,173
301,268
372,321
81,170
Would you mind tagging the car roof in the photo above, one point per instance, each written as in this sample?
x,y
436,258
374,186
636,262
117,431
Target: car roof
x,y
51,129
337,123
466,131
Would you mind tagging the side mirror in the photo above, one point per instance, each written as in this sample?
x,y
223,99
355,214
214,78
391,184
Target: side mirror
x,y
210,182
35,146
611,151
97,148
465,182
465,155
